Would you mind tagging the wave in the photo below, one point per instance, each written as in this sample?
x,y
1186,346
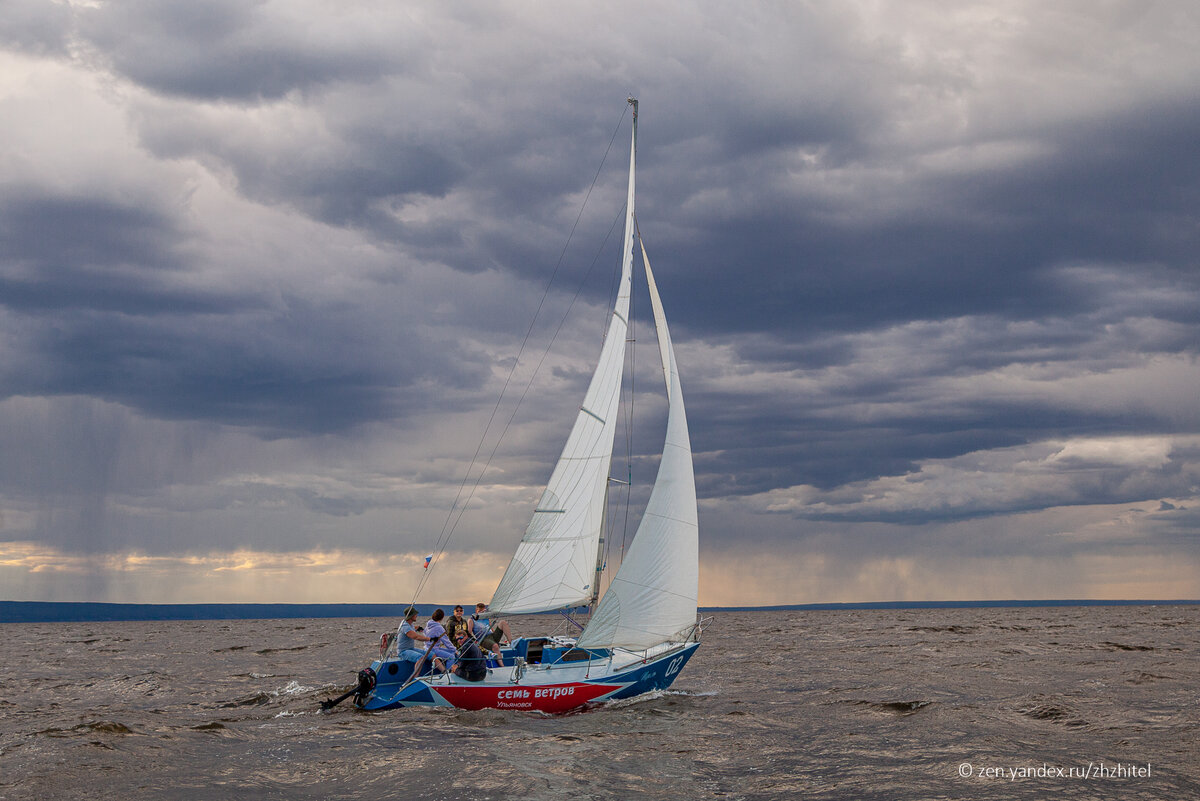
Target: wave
x,y
1148,678
951,629
258,699
279,650
1117,646
293,688
211,726
1052,712
902,708
98,726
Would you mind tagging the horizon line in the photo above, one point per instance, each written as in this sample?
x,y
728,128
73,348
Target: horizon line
x,y
108,611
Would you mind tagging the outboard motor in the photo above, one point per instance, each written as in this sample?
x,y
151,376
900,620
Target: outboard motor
x,y
366,683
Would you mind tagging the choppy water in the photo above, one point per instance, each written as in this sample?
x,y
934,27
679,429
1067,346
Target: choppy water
x,y
887,704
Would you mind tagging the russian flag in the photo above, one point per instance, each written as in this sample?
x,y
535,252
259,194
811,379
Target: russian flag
x,y
428,559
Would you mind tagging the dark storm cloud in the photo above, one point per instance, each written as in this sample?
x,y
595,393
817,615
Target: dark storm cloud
x,y
1055,262
74,253
382,131
104,298
887,241
798,447
1176,526
1114,189
261,370
450,188
237,51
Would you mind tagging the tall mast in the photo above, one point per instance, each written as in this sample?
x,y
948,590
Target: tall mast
x,y
626,254
630,224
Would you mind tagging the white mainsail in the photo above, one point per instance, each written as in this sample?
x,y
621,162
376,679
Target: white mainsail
x,y
652,599
555,563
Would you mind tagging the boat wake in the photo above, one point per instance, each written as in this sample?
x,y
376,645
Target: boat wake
x,y
652,696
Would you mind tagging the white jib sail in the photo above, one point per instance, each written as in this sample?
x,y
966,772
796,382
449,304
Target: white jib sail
x,y
652,599
555,563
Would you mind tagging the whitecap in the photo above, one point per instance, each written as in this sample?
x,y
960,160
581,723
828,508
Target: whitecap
x,y
293,687
654,695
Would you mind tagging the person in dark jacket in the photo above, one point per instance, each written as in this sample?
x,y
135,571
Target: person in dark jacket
x,y
471,664
454,623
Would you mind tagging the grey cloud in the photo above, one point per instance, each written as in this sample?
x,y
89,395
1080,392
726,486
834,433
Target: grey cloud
x,y
1177,526
876,403
35,26
223,50
1003,481
1114,190
915,243
138,328
273,371
80,252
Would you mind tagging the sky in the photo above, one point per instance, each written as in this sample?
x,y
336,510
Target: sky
x,y
931,271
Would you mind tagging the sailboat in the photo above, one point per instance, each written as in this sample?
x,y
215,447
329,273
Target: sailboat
x,y
643,629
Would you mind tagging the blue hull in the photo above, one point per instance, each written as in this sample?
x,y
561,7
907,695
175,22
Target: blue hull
x,y
572,687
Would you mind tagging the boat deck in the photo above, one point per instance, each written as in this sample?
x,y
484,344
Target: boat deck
x,y
563,678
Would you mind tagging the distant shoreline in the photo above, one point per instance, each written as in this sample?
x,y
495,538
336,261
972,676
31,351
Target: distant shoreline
x,y
80,612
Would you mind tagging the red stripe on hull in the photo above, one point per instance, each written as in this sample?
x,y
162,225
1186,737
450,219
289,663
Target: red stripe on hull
x,y
550,698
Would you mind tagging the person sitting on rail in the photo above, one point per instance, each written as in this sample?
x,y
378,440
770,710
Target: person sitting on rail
x,y
442,650
412,642
488,633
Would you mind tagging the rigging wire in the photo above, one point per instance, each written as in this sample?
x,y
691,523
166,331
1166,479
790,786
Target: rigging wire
x,y
451,521
579,290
